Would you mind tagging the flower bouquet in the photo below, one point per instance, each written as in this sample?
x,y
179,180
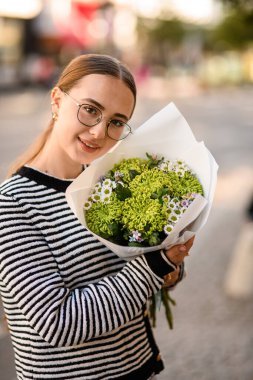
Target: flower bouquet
x,y
136,203
139,201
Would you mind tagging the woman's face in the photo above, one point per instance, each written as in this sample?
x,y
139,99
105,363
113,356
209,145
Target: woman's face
x,y
80,143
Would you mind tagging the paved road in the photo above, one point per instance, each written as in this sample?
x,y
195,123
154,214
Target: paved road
x,y
213,334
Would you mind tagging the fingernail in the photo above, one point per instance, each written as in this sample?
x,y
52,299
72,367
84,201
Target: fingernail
x,y
182,248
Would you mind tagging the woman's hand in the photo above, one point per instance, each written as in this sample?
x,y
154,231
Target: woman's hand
x,y
177,253
171,278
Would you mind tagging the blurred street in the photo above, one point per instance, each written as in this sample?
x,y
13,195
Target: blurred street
x,y
213,333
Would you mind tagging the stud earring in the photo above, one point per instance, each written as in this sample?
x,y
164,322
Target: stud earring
x,y
54,116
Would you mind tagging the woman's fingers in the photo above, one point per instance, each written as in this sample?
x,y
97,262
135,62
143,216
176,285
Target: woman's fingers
x,y
177,253
189,243
171,278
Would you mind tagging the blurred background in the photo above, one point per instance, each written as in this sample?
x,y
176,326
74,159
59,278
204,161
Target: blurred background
x,y
198,54
209,41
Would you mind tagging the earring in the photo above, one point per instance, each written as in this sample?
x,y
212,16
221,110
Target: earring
x,y
54,116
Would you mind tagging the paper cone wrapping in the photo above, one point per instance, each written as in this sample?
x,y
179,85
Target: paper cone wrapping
x,y
168,135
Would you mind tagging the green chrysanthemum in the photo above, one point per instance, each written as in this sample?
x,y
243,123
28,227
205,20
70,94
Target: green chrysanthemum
x,y
150,181
189,184
143,214
130,164
101,216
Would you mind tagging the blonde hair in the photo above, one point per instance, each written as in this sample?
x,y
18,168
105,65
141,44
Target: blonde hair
x,y
79,67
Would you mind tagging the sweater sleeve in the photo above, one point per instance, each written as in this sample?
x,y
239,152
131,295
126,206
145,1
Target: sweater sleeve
x,y
63,316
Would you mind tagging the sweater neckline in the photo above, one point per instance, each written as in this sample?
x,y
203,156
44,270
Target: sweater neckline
x,y
44,178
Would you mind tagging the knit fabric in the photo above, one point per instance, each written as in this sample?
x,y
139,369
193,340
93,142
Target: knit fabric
x,y
75,309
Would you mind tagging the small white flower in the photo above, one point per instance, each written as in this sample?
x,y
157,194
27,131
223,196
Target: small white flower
x,y
166,166
166,199
97,188
107,183
168,228
106,194
87,205
173,217
106,191
96,197
172,204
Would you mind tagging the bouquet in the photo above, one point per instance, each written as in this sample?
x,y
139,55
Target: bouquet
x,y
183,197
139,201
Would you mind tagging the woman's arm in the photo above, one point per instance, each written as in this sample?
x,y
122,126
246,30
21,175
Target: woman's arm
x,y
61,316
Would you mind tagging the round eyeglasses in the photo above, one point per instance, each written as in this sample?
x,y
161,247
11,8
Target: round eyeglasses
x,y
89,115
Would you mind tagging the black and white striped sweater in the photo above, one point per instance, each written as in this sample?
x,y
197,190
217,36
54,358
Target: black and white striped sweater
x,y
75,310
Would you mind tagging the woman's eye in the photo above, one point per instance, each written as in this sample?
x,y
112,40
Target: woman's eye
x,y
90,110
117,123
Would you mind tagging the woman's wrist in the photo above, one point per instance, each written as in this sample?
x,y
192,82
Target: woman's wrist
x,y
169,261
159,263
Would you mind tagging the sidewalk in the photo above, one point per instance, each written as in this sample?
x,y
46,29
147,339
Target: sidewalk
x,y
239,278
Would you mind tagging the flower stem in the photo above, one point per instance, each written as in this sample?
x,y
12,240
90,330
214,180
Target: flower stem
x,y
167,300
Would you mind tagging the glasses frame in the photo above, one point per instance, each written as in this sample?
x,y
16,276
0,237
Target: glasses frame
x,y
99,119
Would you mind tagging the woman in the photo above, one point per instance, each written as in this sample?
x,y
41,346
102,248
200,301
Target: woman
x,y
75,310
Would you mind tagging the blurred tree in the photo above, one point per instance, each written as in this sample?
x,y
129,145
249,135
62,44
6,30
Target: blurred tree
x,y
246,5
235,31
159,37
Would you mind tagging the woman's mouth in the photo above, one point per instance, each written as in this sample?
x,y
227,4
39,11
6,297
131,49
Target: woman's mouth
x,y
87,146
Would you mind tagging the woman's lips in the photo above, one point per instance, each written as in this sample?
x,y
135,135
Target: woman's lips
x,y
87,146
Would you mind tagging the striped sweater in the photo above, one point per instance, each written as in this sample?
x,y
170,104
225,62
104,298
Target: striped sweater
x,y
75,310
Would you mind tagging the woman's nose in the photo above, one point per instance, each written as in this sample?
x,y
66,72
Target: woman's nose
x,y
99,130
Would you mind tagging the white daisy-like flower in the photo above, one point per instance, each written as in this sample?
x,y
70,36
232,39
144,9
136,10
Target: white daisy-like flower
x,y
87,205
97,188
173,217
96,197
106,192
168,228
166,199
107,183
166,166
172,204
163,166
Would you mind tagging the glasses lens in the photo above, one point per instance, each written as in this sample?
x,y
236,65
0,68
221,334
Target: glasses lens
x,y
89,115
118,130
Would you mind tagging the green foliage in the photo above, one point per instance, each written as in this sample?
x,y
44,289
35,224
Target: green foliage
x,y
159,31
122,192
234,32
241,5
168,30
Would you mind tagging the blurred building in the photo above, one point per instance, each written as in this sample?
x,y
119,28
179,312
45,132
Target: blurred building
x,y
36,36
39,36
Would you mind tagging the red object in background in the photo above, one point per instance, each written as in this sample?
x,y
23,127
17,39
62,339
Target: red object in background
x,y
85,10
74,30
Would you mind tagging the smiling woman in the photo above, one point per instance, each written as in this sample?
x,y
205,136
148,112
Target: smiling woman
x,y
76,310
95,80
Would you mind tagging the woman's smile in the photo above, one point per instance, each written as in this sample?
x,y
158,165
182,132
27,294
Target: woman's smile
x,y
88,146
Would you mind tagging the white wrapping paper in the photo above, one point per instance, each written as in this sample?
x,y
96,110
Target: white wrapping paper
x,y
166,134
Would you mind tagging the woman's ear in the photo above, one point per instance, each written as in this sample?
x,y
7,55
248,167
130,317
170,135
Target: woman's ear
x,y
56,96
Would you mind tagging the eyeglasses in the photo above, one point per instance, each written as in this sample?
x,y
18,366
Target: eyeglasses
x,y
90,116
